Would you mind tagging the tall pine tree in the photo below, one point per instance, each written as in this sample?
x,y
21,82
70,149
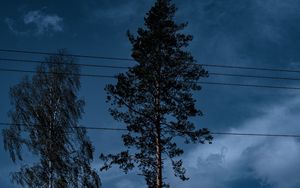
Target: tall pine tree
x,y
154,99
44,118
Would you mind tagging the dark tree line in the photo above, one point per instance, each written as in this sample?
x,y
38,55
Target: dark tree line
x,y
154,99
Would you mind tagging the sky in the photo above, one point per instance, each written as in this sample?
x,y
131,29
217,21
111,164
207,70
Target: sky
x,y
254,33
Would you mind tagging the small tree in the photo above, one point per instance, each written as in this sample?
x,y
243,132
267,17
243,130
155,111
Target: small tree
x,y
154,98
44,118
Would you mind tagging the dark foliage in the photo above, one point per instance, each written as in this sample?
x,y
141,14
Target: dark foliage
x,y
45,117
154,98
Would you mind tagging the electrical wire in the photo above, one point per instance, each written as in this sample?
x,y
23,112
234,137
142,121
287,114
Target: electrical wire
x,y
129,59
71,55
212,133
80,64
200,82
125,67
30,71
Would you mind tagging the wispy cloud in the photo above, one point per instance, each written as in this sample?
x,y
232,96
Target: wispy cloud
x,y
43,22
115,14
126,183
12,27
36,22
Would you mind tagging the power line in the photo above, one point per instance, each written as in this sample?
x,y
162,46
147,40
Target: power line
x,y
80,64
257,134
251,68
73,55
212,133
250,85
200,82
254,76
125,67
130,59
78,127
84,75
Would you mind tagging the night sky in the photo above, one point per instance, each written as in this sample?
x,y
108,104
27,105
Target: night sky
x,y
254,33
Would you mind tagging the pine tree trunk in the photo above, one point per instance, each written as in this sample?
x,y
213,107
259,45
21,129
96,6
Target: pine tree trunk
x,y
158,157
158,138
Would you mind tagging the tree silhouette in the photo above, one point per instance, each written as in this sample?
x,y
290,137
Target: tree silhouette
x,y
154,98
44,118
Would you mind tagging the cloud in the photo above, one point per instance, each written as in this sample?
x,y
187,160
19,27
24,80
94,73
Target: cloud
x,y
263,161
125,183
12,26
116,178
256,32
115,14
43,22
37,23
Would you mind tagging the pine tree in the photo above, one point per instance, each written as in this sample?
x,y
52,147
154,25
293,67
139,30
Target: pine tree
x,y
154,99
44,118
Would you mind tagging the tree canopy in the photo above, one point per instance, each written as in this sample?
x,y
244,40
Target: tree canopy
x,y
154,99
45,115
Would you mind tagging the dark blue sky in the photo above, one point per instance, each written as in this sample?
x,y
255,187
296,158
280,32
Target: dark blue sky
x,y
257,33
